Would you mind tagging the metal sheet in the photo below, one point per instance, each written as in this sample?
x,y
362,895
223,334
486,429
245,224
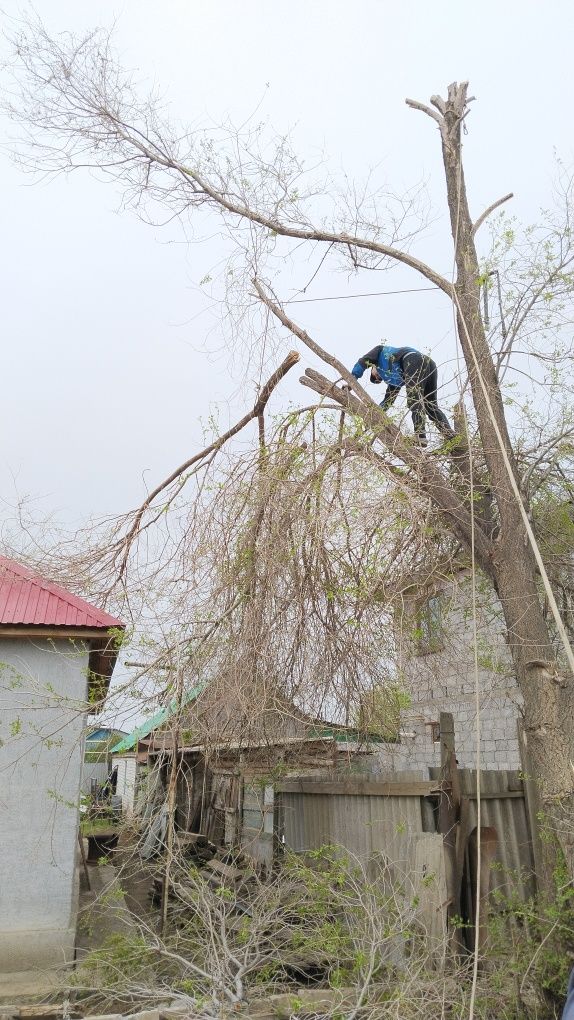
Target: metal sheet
x,y
91,770
27,598
513,869
371,829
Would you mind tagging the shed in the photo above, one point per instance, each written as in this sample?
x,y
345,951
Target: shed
x,y
97,757
57,654
129,753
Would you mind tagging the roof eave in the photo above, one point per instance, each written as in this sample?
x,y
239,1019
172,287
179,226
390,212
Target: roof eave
x,y
103,652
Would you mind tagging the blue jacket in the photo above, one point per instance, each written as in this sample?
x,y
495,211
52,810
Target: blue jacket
x,y
387,361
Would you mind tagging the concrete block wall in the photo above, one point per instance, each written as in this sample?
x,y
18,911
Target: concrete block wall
x,y
43,685
446,680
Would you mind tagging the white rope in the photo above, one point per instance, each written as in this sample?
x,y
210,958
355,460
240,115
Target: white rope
x,y
516,491
478,734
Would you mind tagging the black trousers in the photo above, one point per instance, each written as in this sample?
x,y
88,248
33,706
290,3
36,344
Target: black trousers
x,y
421,381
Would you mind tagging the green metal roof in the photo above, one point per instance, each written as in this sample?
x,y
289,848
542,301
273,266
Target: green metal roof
x,y
346,734
131,741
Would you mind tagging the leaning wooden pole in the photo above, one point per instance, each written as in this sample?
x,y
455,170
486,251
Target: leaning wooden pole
x,y
172,798
449,819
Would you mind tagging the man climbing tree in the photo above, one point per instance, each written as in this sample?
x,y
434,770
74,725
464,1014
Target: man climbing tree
x,y
405,366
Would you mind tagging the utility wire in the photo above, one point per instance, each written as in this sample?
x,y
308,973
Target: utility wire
x,y
350,297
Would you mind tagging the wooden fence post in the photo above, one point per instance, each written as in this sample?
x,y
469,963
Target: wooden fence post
x,y
543,878
449,818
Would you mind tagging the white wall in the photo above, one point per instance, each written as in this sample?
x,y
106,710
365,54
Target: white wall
x,y
98,770
127,768
445,681
42,690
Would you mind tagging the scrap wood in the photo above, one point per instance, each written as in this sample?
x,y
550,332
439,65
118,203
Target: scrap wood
x,y
280,1006
219,872
163,1011
192,839
195,846
44,1010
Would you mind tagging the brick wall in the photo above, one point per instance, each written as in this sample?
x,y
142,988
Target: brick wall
x,y
438,672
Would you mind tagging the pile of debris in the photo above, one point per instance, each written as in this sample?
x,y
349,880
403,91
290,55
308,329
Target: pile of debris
x,y
195,847
219,867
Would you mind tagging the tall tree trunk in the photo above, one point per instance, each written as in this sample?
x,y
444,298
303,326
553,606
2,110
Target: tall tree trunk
x,y
547,693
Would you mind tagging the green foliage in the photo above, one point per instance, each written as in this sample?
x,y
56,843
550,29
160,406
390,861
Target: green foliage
x,y
118,636
121,960
92,826
379,711
322,909
62,801
532,942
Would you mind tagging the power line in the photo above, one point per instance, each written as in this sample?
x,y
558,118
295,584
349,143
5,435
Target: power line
x,y
350,297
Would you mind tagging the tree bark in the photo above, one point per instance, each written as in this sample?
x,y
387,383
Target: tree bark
x,y
547,693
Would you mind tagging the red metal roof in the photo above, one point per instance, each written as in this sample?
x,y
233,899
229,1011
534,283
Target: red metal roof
x,y
26,598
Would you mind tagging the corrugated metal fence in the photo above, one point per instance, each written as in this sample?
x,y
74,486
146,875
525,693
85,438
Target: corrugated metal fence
x,y
375,826
381,824
503,806
370,825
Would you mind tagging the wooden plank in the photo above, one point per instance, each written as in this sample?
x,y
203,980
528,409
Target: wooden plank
x,y
253,818
448,819
544,879
360,788
497,795
32,631
368,789
44,1010
427,874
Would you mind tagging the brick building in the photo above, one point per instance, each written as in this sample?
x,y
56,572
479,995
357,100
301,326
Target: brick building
x,y
436,662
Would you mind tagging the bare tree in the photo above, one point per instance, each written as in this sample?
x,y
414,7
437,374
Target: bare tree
x,y
80,109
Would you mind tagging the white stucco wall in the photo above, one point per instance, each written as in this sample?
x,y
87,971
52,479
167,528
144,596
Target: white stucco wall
x,y
445,681
42,692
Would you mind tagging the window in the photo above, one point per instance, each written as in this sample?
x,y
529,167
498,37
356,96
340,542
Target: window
x,y
434,731
428,627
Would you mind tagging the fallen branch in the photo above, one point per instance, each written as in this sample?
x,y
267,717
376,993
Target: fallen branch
x,y
255,412
353,398
431,482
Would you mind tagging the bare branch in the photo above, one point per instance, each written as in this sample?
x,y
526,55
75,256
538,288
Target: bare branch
x,y
477,225
256,411
329,359
449,504
74,91
415,105
439,103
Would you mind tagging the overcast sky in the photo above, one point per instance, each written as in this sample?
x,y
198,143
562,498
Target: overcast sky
x,y
112,352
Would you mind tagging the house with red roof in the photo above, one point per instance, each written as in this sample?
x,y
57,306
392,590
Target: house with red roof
x,y
57,654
